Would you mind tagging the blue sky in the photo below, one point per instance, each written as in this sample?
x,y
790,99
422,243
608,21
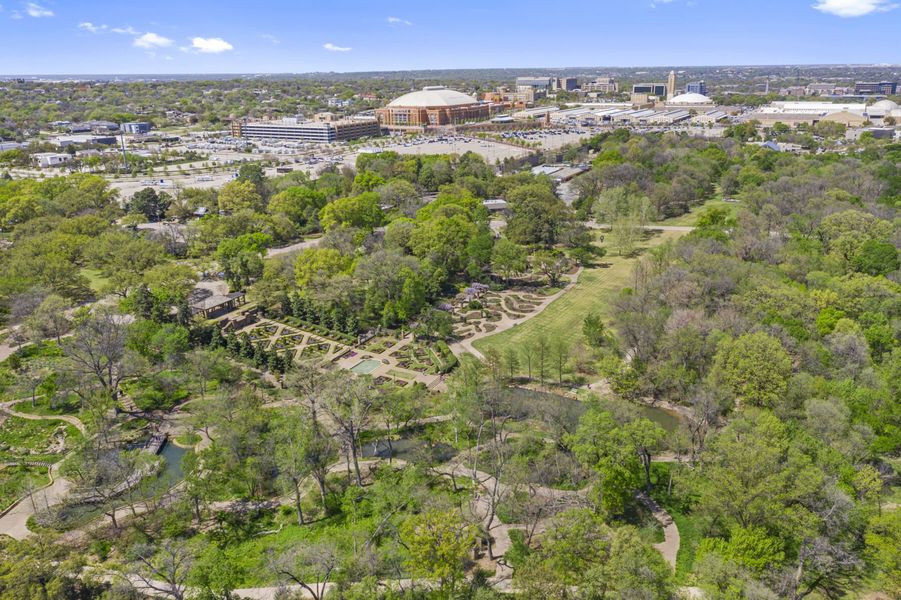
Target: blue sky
x,y
166,36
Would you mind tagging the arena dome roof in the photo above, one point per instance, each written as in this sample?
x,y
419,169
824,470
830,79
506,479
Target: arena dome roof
x,y
690,99
433,96
884,105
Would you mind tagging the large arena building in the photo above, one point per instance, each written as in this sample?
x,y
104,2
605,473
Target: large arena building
x,y
432,106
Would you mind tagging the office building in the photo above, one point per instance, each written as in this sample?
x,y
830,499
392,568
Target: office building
x,y
671,85
602,85
650,89
138,127
567,84
696,87
544,83
307,131
885,88
432,105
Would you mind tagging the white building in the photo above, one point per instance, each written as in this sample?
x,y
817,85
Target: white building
x,y
51,159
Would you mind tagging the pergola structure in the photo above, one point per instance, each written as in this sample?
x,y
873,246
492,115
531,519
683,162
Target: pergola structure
x,y
216,305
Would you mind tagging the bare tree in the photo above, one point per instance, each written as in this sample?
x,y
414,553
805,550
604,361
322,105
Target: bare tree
x,y
161,569
318,561
97,349
349,403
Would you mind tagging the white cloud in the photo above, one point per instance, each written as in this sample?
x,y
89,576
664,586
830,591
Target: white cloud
x,y
88,26
151,40
854,8
270,38
37,11
398,21
129,30
210,45
333,48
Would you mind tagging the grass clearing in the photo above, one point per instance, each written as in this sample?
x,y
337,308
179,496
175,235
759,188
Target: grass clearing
x,y
690,218
562,319
16,481
95,278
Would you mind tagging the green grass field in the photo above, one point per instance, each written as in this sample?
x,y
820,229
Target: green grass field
x,y
562,319
95,279
691,217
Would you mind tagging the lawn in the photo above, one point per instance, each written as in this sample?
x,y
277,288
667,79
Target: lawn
x,y
562,319
691,217
35,440
15,481
95,279
69,405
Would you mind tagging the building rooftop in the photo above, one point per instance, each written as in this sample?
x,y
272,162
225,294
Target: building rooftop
x,y
434,96
691,98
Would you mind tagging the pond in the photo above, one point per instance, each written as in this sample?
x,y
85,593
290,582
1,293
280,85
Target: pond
x,y
410,449
365,367
566,410
171,472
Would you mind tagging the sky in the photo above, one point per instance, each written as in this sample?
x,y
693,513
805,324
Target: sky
x,y
282,36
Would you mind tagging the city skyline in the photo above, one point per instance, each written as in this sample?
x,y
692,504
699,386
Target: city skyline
x,y
55,37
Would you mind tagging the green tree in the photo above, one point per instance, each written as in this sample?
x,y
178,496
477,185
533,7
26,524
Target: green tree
x,y
149,203
438,543
755,367
508,259
239,195
361,211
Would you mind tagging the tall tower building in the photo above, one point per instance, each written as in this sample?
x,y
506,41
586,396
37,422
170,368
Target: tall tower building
x,y
671,85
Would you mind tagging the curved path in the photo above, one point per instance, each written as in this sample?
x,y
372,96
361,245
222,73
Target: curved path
x,y
465,346
14,522
7,407
303,245
669,547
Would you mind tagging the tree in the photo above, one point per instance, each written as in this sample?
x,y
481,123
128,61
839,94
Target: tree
x,y
149,203
309,566
349,402
97,349
581,557
163,569
755,367
241,258
601,444
438,543
299,203
883,538
508,259
559,351
239,195
539,216
751,474
510,359
594,330
297,454
361,211
49,319
876,258
550,263
324,263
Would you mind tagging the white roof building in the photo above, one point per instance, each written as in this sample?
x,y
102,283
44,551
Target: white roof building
x,y
690,99
433,96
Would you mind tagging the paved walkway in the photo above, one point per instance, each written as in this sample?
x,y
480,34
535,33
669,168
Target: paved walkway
x,y
669,547
15,522
297,247
7,407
